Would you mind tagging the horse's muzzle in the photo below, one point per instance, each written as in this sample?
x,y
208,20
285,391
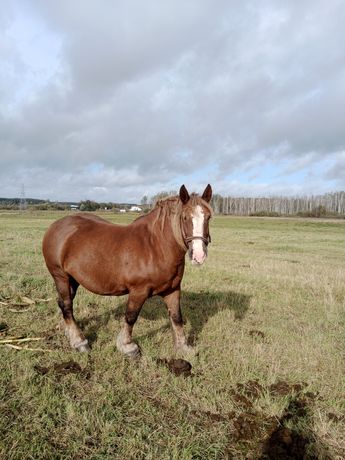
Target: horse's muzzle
x,y
198,254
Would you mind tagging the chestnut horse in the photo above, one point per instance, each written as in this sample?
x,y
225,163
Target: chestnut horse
x,y
142,259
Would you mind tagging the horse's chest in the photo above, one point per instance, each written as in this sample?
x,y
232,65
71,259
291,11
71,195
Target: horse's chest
x,y
166,278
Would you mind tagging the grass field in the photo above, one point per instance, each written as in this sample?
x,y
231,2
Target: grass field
x,y
265,313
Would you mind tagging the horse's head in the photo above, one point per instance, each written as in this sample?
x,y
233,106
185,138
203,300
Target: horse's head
x,y
195,217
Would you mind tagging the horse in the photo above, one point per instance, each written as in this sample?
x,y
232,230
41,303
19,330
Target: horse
x,y
143,259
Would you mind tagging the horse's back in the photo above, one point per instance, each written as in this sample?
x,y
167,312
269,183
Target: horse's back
x,y
62,231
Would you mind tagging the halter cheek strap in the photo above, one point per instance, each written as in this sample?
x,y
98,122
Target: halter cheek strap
x,y
188,239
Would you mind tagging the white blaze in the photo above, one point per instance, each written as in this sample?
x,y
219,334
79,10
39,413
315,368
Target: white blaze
x,y
198,230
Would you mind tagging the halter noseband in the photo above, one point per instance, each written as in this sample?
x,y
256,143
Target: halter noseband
x,y
188,239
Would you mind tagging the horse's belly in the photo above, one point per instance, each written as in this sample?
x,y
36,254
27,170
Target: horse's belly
x,y
101,282
103,288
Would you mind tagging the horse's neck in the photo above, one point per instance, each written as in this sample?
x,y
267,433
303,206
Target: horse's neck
x,y
175,224
167,229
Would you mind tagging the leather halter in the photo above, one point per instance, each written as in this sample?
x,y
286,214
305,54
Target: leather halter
x,y
188,239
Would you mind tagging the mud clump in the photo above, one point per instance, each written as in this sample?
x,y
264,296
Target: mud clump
x,y
251,425
256,333
245,393
286,444
251,389
179,367
42,370
335,417
282,388
3,327
69,367
61,369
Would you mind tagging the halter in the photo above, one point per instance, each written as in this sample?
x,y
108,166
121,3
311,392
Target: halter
x,y
188,239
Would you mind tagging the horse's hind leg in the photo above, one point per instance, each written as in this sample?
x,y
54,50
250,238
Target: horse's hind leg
x,y
124,341
67,288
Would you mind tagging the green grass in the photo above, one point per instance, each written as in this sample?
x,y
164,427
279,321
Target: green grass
x,y
267,306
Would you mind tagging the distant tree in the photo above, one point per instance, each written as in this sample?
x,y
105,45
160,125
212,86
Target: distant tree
x,y
320,211
217,203
144,200
89,205
159,196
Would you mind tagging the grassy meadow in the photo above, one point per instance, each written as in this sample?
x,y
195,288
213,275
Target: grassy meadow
x,y
266,313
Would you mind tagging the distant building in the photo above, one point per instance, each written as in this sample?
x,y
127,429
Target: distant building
x,y
74,207
122,210
135,209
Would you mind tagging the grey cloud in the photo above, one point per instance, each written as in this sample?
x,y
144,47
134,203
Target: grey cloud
x,y
337,171
158,89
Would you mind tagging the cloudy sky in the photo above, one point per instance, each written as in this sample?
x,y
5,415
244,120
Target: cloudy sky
x,y
113,100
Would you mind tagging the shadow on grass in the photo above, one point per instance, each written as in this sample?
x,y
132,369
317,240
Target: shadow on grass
x,y
92,324
197,307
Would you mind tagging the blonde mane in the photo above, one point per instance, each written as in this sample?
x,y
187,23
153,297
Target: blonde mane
x,y
171,208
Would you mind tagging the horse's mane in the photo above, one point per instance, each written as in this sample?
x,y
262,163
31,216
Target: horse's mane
x,y
171,208
174,204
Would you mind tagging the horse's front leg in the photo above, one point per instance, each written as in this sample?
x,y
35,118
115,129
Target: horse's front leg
x,y
172,301
124,341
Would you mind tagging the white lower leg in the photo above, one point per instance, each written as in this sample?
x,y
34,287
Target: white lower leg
x,y
124,342
76,337
180,340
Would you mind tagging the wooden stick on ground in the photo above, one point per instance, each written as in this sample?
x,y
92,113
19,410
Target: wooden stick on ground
x,y
17,347
19,339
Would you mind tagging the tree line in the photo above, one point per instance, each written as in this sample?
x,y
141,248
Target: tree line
x,y
47,205
307,206
329,204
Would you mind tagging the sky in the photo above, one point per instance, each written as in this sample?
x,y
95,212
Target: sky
x,y
111,101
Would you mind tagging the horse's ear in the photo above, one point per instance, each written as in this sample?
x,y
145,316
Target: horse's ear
x,y
207,195
184,195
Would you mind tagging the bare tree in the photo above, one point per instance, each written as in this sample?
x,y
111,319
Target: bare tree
x,y
315,205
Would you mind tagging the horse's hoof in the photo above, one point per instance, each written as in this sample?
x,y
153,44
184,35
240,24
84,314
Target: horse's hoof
x,y
83,347
134,354
130,350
